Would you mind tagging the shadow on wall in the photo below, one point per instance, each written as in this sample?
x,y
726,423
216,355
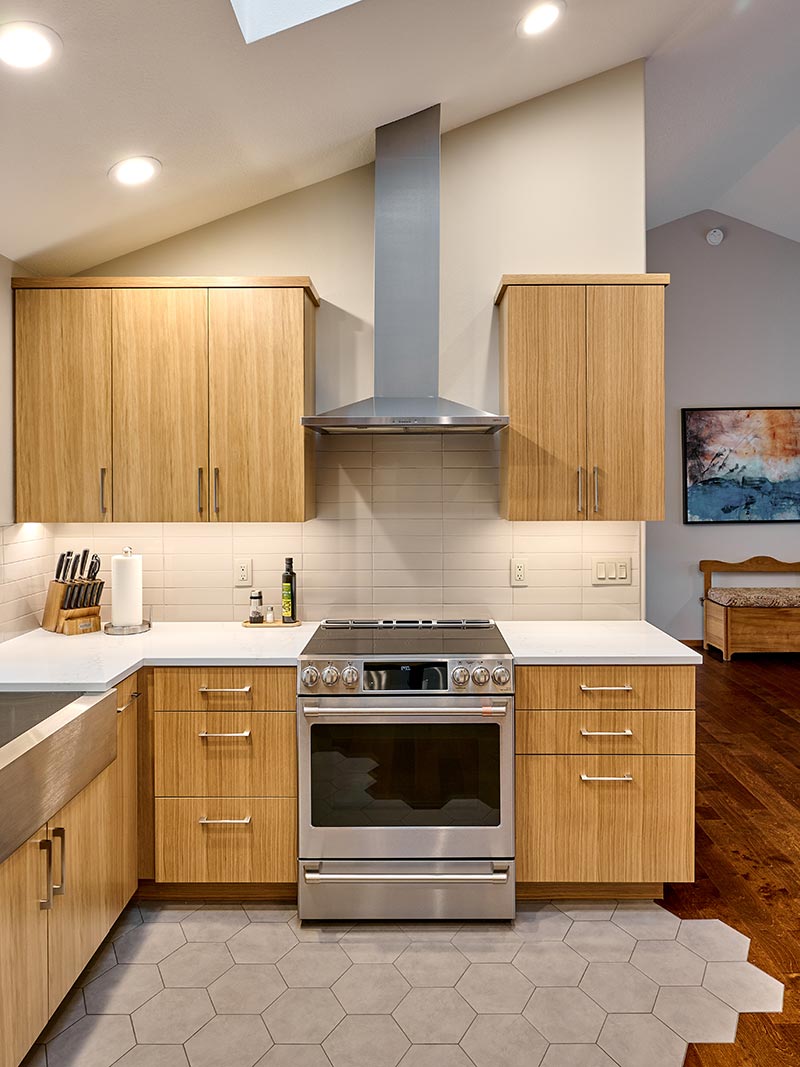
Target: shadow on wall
x,y
344,357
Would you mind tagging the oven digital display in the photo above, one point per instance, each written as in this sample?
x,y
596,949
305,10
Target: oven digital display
x,y
406,677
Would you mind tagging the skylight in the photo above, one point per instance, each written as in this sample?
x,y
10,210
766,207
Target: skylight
x,y
263,18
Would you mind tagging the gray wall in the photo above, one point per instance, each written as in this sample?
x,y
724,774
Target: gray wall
x,y
733,340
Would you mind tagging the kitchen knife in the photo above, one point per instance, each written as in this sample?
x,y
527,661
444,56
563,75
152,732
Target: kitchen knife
x,y
94,566
60,565
83,592
74,571
84,558
65,571
98,593
67,604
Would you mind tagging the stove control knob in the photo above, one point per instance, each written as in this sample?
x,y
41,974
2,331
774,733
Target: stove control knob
x,y
460,676
309,676
350,677
330,675
480,675
501,675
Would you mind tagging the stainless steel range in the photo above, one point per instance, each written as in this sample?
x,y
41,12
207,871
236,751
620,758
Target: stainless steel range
x,y
405,735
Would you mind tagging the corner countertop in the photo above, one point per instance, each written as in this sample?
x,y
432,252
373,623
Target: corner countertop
x,y
92,663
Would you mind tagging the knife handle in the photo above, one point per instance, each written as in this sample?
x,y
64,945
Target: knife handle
x,y
60,565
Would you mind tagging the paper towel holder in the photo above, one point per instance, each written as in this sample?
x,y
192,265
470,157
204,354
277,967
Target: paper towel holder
x,y
121,631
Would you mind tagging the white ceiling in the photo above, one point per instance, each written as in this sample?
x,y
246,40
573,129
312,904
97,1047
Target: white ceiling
x,y
235,124
723,105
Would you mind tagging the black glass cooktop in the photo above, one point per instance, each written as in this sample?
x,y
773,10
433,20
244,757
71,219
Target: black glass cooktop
x,y
368,637
19,712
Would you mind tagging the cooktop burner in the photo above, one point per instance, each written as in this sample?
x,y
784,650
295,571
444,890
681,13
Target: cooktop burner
x,y
396,637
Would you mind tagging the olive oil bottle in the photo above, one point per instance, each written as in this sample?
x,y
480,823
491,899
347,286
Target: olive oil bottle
x,y
289,592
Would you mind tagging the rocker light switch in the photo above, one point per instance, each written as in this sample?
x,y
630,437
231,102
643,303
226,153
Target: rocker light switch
x,y
615,570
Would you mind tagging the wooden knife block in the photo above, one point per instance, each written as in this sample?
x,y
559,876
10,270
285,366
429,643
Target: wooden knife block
x,y
71,622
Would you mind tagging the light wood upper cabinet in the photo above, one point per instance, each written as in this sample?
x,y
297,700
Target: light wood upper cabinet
x,y
582,372
160,391
63,405
261,382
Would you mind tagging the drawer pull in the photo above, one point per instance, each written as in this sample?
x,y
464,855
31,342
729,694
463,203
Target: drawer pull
x,y
606,733
243,689
498,876
134,698
602,778
226,822
606,688
205,733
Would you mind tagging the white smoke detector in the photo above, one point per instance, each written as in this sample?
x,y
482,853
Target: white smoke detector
x,y
715,237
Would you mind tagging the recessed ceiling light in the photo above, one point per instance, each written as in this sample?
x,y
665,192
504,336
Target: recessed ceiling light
x,y
26,45
135,170
541,18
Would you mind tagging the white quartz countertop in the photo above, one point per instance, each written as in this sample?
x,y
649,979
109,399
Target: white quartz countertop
x,y
96,662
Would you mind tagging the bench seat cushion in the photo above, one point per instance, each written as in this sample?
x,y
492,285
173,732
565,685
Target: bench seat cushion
x,y
768,597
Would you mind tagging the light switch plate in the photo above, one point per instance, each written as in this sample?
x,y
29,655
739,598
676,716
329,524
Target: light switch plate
x,y
242,572
611,570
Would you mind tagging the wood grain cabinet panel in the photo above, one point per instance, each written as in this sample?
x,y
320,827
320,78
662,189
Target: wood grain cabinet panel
x,y
125,793
573,830
63,406
224,688
605,732
225,754
258,845
24,1008
601,688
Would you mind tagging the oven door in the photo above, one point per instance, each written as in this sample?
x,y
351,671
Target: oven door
x,y
400,778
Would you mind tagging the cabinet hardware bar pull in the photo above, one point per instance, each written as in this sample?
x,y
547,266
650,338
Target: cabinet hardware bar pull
x,y
606,688
216,490
103,473
497,877
596,489
603,778
134,697
205,733
580,490
243,689
226,822
61,834
489,711
200,490
47,846
606,733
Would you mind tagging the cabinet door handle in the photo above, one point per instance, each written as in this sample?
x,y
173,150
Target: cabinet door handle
x,y
60,834
103,473
606,733
580,490
604,778
205,689
498,876
216,490
226,822
205,733
134,698
200,490
596,489
606,688
46,846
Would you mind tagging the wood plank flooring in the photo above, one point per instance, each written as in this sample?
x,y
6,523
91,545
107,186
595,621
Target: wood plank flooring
x,y
748,838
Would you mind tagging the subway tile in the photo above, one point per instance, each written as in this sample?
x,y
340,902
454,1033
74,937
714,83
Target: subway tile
x,y
406,476
525,544
477,561
344,459
196,561
465,494
336,545
410,579
321,527
476,594
22,550
470,476
343,494
345,594
198,596
547,612
353,442
469,542
351,509
402,560
343,476
469,510
409,460
407,511
197,613
254,546
275,530
621,594
611,612
329,561
198,529
414,493
478,579
600,543
412,442
20,532
470,442
546,578
548,529
476,609
336,579
472,458
394,595
198,579
533,595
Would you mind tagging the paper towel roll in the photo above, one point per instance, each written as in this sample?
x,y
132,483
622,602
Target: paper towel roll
x,y
126,589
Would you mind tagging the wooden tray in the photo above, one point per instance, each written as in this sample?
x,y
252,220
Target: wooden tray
x,y
266,625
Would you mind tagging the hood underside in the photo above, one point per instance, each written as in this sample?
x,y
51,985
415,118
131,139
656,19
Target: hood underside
x,y
427,414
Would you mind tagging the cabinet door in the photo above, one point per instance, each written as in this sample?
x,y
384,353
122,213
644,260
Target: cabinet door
x,y
544,389
160,405
23,955
63,405
261,372
625,376
85,836
124,778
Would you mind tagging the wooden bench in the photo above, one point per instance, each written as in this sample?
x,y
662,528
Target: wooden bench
x,y
754,619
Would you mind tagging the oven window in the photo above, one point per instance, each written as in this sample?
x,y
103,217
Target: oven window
x,y
408,774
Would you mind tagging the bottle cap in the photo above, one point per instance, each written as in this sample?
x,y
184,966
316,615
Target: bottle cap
x,y
289,562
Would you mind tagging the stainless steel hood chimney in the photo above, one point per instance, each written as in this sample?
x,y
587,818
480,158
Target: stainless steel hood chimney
x,y
406,396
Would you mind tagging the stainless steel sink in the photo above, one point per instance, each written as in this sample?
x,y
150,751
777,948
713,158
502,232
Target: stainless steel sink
x,y
51,746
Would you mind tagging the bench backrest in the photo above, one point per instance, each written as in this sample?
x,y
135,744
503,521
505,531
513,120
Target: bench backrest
x,y
752,565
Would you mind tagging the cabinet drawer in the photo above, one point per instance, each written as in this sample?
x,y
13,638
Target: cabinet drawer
x,y
604,688
605,732
261,849
224,688
125,692
639,829
225,754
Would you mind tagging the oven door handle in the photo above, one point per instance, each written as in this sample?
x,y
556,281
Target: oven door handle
x,y
498,876
488,711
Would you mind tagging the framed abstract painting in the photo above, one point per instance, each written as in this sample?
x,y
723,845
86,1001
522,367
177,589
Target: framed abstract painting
x,y
741,465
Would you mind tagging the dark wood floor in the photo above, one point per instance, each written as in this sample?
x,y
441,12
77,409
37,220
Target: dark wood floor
x,y
748,838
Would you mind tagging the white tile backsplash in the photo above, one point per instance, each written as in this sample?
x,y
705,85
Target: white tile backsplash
x,y
26,566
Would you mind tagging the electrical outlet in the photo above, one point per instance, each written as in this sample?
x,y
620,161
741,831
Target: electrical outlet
x,y
519,571
611,570
242,572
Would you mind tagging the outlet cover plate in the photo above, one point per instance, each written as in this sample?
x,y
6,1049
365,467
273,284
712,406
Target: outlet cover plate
x,y
242,572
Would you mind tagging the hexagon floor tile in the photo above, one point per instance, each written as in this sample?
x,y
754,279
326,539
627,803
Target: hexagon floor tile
x,y
566,984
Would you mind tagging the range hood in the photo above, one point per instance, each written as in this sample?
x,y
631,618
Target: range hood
x,y
406,398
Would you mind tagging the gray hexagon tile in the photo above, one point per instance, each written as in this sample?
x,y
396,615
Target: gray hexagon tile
x,y
233,1040
550,963
172,1016
376,1040
696,1015
215,922
123,989
165,911
295,1056
370,989
564,1015
268,912
495,988
434,1016
713,940
584,910
488,942
668,963
744,987
436,1056
246,989
619,987
72,1008
646,920
94,1041
431,931
261,943
149,942
432,963
577,1056
313,965
197,964
129,919
37,1057
541,922
154,1056
103,960
303,1016
600,941
503,1041
641,1041
374,951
